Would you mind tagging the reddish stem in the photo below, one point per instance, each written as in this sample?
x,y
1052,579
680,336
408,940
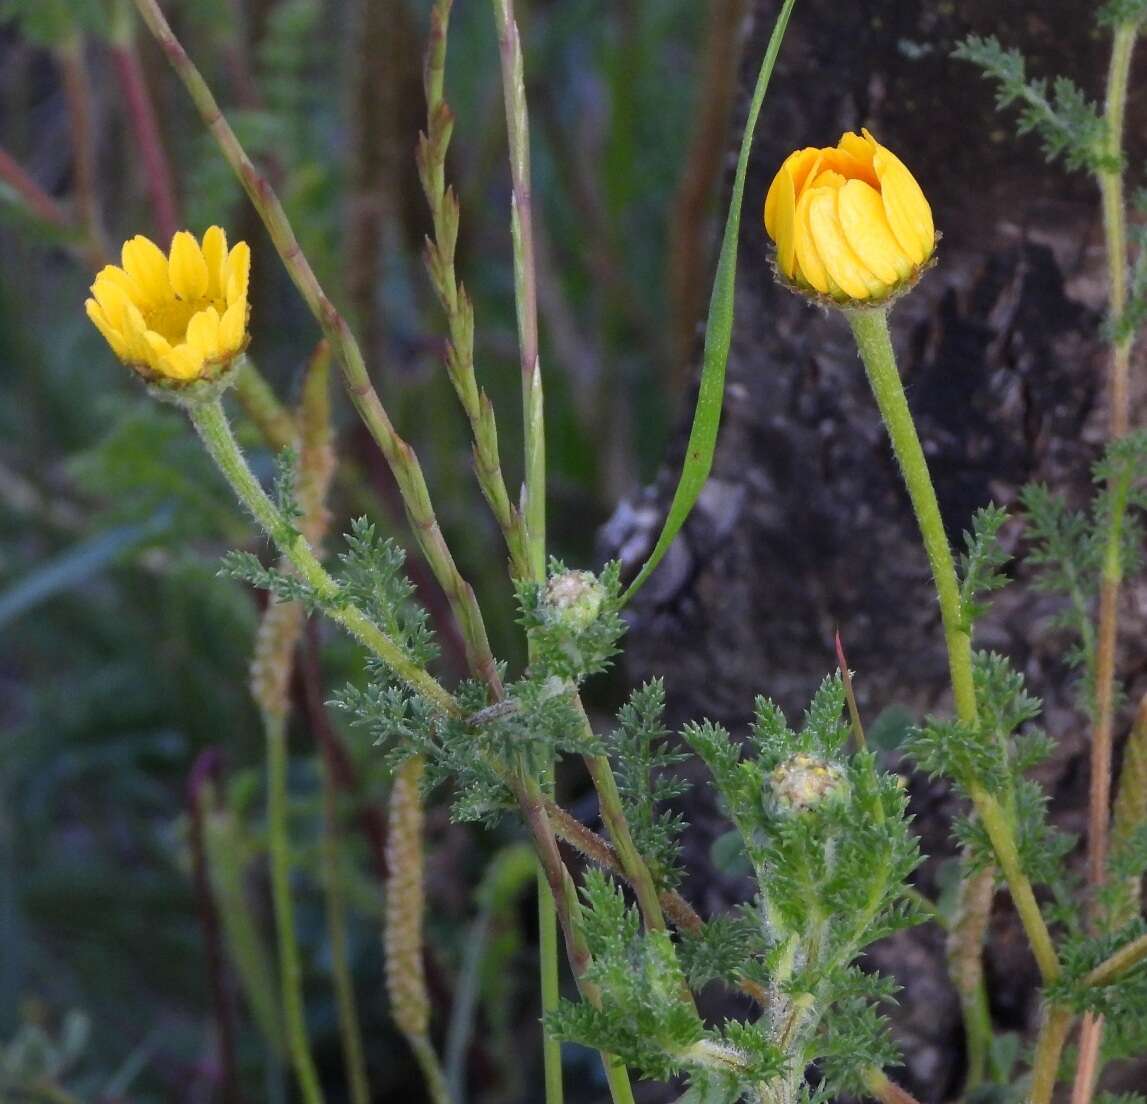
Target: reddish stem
x,y
149,140
42,205
207,768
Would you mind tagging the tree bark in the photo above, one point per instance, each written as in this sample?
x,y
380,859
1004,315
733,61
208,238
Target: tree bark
x,y
805,525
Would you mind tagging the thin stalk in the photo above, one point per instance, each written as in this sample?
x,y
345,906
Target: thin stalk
x,y
534,804
886,1091
966,967
41,205
432,1075
525,283
350,1031
870,328
1048,1054
290,967
1120,963
533,505
399,455
78,93
141,115
215,431
198,792
1107,632
459,310
632,863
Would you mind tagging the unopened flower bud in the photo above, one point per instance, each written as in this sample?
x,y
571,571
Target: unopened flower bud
x,y
849,221
573,599
803,781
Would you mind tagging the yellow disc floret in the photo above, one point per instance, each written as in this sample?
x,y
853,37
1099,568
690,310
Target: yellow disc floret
x,y
177,318
849,221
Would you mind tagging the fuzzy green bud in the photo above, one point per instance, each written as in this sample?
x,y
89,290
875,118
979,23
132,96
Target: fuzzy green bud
x,y
573,600
803,781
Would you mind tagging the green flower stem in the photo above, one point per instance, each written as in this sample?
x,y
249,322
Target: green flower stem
x,y
400,457
633,865
290,970
215,431
870,328
534,804
1049,1045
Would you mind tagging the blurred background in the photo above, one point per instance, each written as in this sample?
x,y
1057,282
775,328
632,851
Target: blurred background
x,y
123,654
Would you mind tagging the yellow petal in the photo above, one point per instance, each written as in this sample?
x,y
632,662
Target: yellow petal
x,y
237,272
233,328
203,333
848,165
215,256
158,348
112,298
907,210
810,265
111,335
135,335
840,262
828,178
783,212
862,148
186,266
797,164
182,363
862,218
145,263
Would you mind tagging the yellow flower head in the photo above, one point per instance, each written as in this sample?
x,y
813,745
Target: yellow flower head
x,y
175,319
849,221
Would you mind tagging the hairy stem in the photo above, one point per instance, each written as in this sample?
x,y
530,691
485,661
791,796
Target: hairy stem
x,y
870,328
1048,1053
1121,962
215,431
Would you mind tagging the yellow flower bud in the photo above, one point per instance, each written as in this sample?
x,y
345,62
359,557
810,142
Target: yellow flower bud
x,y
175,319
849,222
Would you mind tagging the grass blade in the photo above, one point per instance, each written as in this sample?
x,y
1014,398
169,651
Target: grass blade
x,y
718,334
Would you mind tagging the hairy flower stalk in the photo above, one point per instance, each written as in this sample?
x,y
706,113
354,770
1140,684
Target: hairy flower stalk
x,y
853,229
400,457
849,221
